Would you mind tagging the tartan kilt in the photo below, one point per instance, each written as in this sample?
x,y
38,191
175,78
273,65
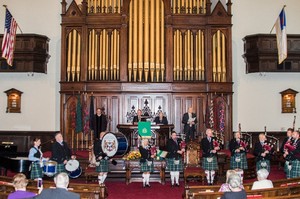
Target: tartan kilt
x,y
295,171
60,168
171,166
36,170
103,166
213,165
240,165
258,165
286,170
146,168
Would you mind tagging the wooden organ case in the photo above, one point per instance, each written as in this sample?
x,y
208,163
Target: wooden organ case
x,y
172,53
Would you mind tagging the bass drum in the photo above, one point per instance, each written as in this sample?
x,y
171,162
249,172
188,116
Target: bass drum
x,y
114,144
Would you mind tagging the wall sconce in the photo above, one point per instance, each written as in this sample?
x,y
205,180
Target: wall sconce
x,y
13,101
288,101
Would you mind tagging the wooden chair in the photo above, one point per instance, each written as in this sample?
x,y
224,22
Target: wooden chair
x,y
192,166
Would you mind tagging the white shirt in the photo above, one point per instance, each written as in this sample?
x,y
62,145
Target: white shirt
x,y
262,184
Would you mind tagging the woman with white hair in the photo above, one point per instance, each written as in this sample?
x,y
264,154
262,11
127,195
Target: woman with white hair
x,y
146,161
263,182
236,192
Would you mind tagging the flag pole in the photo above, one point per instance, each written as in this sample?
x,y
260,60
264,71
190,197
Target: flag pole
x,y
275,21
5,6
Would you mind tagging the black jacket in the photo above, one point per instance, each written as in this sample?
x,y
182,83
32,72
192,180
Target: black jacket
x,y
98,150
60,153
173,147
100,124
207,146
187,127
283,143
258,150
233,145
163,121
295,154
145,154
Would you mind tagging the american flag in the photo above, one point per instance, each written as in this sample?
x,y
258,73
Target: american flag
x,y
9,38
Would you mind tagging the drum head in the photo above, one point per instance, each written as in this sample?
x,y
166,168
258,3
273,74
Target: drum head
x,y
110,144
72,165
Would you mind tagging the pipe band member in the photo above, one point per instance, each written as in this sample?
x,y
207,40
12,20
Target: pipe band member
x,y
238,149
294,153
146,161
210,147
61,153
102,160
287,141
36,156
263,151
174,158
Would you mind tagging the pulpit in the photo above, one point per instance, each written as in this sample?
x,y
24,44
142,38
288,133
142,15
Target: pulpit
x,y
159,137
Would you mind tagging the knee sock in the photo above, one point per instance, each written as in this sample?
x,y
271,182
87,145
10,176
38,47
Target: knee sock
x,y
177,177
100,179
104,177
212,175
172,173
207,176
144,178
148,178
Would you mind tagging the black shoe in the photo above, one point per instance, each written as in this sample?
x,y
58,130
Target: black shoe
x,y
177,185
144,186
148,185
172,185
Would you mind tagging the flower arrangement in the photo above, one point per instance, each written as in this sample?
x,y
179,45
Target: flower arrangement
x,y
132,155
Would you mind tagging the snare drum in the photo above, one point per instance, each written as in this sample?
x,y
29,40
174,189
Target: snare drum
x,y
50,168
73,168
114,144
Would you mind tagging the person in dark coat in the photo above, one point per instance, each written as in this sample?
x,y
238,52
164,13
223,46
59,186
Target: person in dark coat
x,y
100,123
189,120
262,151
61,190
102,160
174,158
209,146
293,152
61,153
161,119
139,117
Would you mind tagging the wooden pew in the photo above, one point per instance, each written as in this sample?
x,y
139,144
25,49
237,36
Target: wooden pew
x,y
273,192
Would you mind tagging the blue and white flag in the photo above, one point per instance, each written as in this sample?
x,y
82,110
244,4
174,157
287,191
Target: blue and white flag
x,y
280,27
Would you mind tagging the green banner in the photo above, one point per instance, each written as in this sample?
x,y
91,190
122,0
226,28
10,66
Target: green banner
x,y
144,129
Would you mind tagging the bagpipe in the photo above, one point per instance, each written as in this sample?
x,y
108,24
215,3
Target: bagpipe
x,y
269,146
218,140
289,147
244,143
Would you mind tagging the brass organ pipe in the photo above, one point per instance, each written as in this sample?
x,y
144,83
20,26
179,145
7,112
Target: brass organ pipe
x,y
106,58
95,6
118,55
185,55
180,56
157,39
111,54
73,54
152,66
204,6
202,56
104,53
69,56
93,54
96,56
174,7
100,54
135,11
119,6
78,56
90,55
214,57
223,59
115,54
146,44
130,43
174,56
140,39
192,56
219,55
162,59
197,69
188,49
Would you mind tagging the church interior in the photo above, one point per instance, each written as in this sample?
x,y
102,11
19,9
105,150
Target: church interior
x,y
82,67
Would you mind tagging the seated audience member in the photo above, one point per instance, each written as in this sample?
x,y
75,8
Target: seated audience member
x,y
263,182
236,192
61,190
225,186
20,182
